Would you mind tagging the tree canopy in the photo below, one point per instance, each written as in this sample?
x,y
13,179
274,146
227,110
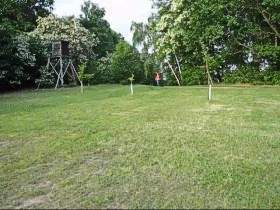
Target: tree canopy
x,y
18,64
92,18
225,33
189,41
27,28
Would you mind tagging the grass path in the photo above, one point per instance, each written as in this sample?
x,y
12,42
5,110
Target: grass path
x,y
161,148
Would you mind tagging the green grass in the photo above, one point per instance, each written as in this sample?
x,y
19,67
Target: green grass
x,y
161,148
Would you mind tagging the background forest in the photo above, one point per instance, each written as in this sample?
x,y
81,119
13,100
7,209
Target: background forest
x,y
188,41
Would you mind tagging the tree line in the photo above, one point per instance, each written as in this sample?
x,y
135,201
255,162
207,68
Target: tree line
x,y
191,42
220,41
27,28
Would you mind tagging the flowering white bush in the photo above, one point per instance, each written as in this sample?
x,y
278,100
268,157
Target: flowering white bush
x,y
52,28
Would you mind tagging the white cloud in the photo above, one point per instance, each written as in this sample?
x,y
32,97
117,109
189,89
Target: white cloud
x,y
119,13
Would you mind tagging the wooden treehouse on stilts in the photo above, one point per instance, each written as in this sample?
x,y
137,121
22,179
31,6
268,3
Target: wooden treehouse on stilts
x,y
59,60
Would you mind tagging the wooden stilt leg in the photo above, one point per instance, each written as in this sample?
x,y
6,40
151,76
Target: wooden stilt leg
x,y
61,72
81,82
57,82
48,64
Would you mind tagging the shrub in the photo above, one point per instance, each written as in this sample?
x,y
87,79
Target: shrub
x,y
272,77
194,76
125,62
150,68
101,70
244,74
47,78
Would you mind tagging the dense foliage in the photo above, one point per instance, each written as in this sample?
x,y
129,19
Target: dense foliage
x,y
125,62
20,55
27,28
219,36
81,41
191,42
92,18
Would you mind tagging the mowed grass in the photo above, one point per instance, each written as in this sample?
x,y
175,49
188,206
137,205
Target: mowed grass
x,y
161,148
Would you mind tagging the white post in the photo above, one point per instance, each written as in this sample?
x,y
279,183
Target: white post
x,y
82,87
210,92
131,88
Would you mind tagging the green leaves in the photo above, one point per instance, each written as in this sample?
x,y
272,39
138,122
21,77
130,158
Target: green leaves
x,y
224,30
20,54
125,62
92,19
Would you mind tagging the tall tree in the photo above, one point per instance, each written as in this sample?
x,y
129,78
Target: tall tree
x,y
218,33
17,59
23,14
92,18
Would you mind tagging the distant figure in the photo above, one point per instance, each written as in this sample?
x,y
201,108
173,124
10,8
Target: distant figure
x,y
157,78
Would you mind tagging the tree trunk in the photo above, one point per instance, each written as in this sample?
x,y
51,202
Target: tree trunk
x,y
131,88
178,81
179,67
82,87
210,81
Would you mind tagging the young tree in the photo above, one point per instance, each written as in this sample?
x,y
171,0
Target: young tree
x,y
143,38
92,18
125,62
217,34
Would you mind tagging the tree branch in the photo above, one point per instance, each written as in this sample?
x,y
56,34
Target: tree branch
x,y
267,19
179,67
270,24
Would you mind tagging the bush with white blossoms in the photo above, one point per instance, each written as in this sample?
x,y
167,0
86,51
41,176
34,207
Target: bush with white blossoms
x,y
52,28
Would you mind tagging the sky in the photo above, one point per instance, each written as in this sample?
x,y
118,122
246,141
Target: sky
x,y
119,13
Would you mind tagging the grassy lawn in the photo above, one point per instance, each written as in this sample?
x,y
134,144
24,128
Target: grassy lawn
x,y
161,148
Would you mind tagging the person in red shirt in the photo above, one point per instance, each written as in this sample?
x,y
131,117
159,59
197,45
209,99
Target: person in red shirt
x,y
157,78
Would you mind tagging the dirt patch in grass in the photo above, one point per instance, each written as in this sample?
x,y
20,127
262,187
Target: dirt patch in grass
x,y
4,143
45,184
33,202
219,107
40,200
